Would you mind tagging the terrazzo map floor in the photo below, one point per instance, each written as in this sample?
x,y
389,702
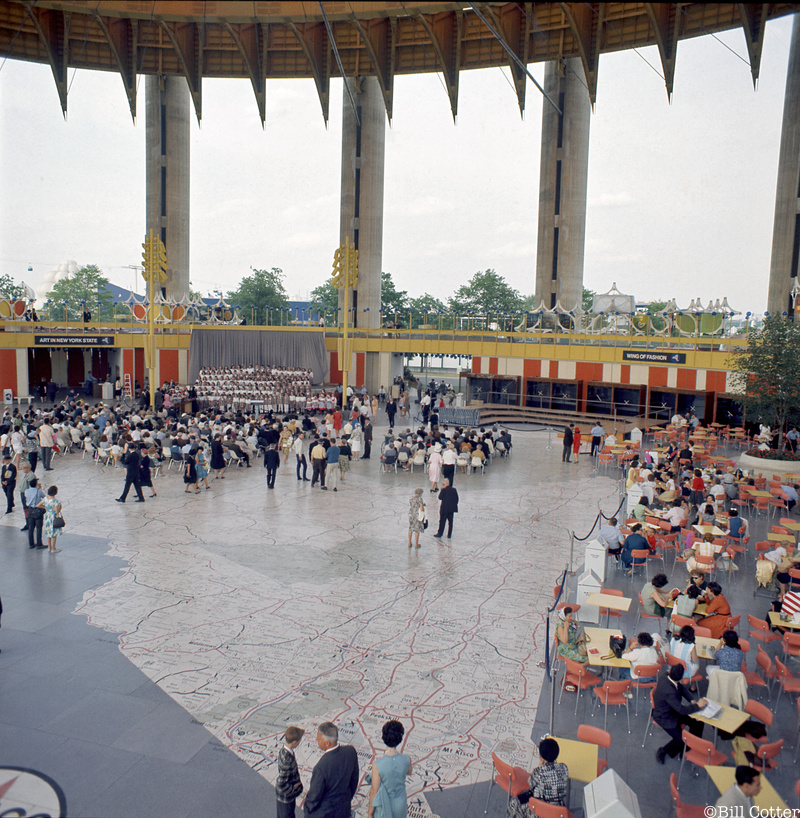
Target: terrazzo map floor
x,y
257,609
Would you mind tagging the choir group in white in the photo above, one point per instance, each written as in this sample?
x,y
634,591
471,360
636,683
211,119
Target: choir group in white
x,y
271,388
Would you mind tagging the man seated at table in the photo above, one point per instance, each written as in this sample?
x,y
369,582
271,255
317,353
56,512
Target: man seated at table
x,y
737,525
676,516
654,601
640,652
717,611
612,536
741,794
791,493
672,715
633,542
548,782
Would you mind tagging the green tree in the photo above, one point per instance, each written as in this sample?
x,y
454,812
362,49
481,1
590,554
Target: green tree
x,y
263,290
486,292
393,301
764,373
324,298
587,300
9,288
88,287
425,304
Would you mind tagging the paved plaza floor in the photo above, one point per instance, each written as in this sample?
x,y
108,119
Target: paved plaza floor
x,y
151,666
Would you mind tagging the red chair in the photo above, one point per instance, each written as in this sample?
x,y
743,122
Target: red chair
x,y
797,739
514,780
683,810
674,660
702,753
650,719
765,663
791,644
542,809
759,629
769,755
642,614
752,677
732,624
638,560
682,621
594,735
786,679
613,693
576,674
699,630
760,712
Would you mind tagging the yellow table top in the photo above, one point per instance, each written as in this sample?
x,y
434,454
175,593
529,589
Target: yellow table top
x,y
580,758
780,537
706,646
725,777
730,720
598,649
709,529
616,603
758,493
775,619
792,526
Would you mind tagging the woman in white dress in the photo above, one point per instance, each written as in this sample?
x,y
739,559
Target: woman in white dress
x,y
435,466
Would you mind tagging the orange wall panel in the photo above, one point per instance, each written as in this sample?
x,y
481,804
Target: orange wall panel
x,y
657,376
687,378
8,370
553,369
715,381
588,371
492,366
336,373
625,373
476,364
532,368
168,364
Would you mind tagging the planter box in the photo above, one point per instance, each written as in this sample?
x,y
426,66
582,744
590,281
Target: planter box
x,y
775,467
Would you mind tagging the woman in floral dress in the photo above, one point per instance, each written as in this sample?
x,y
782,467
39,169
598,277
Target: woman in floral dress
x,y
415,525
51,507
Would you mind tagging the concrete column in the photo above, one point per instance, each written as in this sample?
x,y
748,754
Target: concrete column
x,y
563,178
167,117
363,150
786,230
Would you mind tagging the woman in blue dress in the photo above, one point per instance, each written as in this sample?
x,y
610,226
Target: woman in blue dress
x,y
387,798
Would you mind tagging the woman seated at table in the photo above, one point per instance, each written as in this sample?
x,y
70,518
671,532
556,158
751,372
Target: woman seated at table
x,y
640,652
738,525
682,647
641,509
782,574
708,513
566,637
633,473
548,782
717,611
702,548
654,601
730,656
685,604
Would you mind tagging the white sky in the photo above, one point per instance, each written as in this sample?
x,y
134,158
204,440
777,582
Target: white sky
x,y
681,196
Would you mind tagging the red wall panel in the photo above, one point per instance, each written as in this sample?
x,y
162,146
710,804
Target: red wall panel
x,y
476,364
492,366
168,363
336,373
8,369
715,381
657,376
553,369
687,378
625,373
532,368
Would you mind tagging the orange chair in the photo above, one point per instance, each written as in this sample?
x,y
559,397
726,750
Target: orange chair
x,y
643,672
642,614
674,660
759,629
765,663
760,712
733,623
699,630
752,677
702,753
650,719
682,621
769,755
638,559
576,674
541,809
791,644
786,679
706,564
514,780
594,735
797,739
613,693
683,810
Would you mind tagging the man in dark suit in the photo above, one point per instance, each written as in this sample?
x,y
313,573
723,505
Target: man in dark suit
x,y
367,426
335,778
566,455
272,460
672,715
448,506
132,461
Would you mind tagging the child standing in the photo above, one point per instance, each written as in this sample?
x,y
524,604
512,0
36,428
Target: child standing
x,y
288,786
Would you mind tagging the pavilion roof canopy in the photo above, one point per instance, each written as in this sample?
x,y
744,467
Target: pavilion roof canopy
x,y
263,40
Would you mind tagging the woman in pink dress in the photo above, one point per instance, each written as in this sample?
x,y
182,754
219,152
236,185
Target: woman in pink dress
x,y
576,443
435,466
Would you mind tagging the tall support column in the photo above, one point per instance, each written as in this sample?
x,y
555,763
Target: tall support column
x,y
363,151
786,230
563,179
167,117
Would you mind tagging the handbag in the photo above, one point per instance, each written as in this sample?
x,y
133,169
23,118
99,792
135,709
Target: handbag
x,y
616,644
58,521
422,516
